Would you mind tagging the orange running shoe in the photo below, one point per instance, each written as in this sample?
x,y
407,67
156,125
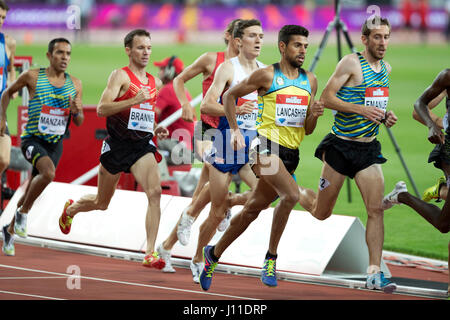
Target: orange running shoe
x,y
65,221
153,261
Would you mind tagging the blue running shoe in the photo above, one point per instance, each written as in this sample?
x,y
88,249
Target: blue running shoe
x,y
208,269
377,281
269,272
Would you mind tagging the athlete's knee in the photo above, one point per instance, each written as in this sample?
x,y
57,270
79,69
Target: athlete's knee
x,y
291,197
4,163
443,227
153,193
48,175
375,211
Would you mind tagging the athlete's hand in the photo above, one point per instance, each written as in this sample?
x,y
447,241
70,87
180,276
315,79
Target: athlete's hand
x,y
161,132
317,108
144,94
75,105
246,107
390,119
373,114
237,140
435,135
187,112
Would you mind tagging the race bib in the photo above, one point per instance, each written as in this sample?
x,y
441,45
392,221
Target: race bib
x,y
247,121
142,118
377,97
53,120
290,110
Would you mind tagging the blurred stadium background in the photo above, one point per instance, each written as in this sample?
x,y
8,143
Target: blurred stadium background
x,y
419,49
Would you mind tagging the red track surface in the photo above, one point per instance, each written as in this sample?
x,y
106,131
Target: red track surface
x,y
42,273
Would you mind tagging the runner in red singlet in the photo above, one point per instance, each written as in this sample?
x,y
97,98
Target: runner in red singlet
x,y
128,105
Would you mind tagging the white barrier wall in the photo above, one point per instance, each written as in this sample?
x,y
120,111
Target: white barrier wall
x,y
333,247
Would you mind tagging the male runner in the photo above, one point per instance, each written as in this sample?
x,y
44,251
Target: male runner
x,y
55,100
206,65
359,91
128,105
7,76
440,219
223,161
283,88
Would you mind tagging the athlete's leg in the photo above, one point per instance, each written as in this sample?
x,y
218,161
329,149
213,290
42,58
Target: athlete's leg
x,y
107,183
219,184
146,173
193,210
370,182
330,185
440,219
46,174
5,152
287,189
260,199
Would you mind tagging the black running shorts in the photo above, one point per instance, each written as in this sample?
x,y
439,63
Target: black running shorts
x,y
34,148
349,157
119,156
289,157
440,153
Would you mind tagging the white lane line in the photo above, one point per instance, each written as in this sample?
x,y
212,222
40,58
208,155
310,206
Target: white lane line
x,y
30,295
28,278
130,283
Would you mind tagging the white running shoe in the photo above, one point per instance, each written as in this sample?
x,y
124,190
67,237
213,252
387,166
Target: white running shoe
x,y
225,222
165,254
196,269
377,281
20,224
184,228
8,242
392,198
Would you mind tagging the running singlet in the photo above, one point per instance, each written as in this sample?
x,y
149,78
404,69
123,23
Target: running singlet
x,y
136,122
48,111
374,91
246,122
212,120
4,62
282,110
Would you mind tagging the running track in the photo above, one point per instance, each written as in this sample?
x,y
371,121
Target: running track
x,y
42,274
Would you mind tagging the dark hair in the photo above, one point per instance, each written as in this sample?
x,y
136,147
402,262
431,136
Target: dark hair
x,y
230,28
51,44
376,21
3,5
285,33
240,26
128,41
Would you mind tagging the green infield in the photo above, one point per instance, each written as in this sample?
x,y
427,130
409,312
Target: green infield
x,y
413,69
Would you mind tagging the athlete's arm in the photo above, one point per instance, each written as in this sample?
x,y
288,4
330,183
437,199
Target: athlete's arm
x,y
26,79
11,44
436,119
199,66
223,77
76,105
117,83
345,69
440,83
315,108
260,80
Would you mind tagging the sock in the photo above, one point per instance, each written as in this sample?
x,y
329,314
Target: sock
x,y
271,256
373,269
